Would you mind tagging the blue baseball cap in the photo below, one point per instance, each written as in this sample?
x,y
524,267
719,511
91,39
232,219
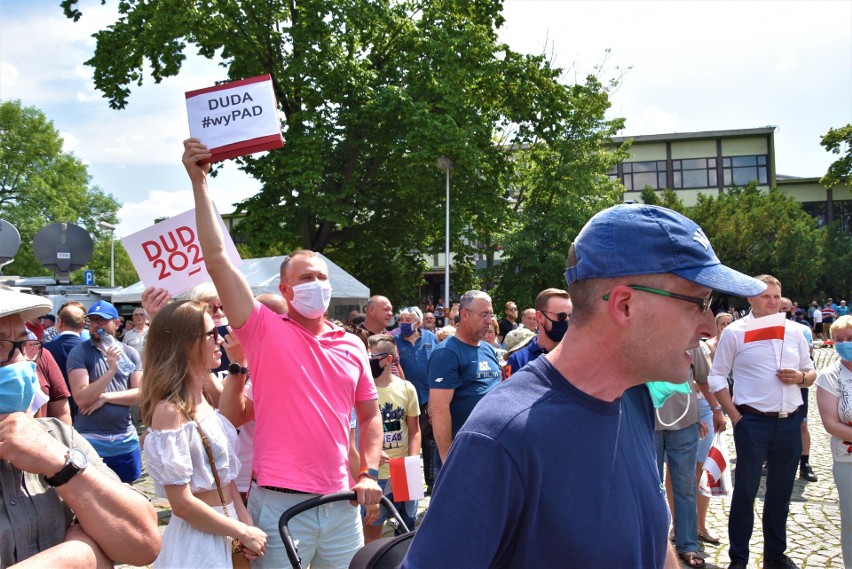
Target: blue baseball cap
x,y
638,239
103,309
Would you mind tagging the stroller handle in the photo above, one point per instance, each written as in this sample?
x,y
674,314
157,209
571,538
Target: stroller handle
x,y
315,502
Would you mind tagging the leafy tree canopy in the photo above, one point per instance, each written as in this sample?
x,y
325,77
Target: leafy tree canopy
x,y
41,184
834,141
763,232
371,93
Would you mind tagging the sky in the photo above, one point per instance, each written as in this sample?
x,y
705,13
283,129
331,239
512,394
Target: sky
x,y
685,66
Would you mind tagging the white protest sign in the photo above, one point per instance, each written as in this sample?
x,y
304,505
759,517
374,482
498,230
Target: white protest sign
x,y
168,255
236,118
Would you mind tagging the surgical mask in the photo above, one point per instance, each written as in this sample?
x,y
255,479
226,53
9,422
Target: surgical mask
x,y
844,350
406,329
311,299
376,368
19,388
662,390
557,329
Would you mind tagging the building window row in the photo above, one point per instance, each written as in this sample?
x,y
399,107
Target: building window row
x,y
693,173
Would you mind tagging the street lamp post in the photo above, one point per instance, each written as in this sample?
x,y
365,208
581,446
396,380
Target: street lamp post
x,y
446,165
111,228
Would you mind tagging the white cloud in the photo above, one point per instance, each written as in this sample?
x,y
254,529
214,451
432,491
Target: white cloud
x,y
787,61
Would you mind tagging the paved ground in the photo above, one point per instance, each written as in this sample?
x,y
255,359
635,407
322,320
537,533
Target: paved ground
x,y
813,527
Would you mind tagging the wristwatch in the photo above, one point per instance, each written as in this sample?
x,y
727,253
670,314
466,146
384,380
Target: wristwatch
x,y
76,462
237,369
369,473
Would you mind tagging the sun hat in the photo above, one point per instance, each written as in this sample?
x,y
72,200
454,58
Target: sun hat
x,y
103,309
29,306
638,239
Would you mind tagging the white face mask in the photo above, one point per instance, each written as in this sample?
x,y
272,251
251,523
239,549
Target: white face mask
x,y
311,299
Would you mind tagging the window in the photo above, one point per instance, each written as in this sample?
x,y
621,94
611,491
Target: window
x,y
694,173
817,210
637,175
740,170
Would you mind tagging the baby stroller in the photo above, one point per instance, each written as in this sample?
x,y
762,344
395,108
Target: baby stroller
x,y
385,553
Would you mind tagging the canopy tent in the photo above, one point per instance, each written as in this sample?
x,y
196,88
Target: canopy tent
x,y
262,275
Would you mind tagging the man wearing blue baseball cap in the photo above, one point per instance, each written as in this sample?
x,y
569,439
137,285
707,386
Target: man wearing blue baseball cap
x,y
104,375
556,466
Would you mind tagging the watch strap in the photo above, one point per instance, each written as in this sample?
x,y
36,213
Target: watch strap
x,y
66,473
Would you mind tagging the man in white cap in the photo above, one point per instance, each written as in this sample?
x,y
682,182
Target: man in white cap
x,y
50,476
104,392
557,465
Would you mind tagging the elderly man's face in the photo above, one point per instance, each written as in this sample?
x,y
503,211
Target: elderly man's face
x,y
528,319
12,330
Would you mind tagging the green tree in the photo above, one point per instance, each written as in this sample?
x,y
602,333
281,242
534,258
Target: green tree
x,y
41,184
834,141
763,232
371,94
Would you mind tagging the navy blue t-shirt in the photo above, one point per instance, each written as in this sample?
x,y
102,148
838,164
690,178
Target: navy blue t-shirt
x,y
472,371
544,475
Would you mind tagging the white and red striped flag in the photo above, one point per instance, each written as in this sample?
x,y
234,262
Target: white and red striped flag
x,y
406,479
766,328
716,477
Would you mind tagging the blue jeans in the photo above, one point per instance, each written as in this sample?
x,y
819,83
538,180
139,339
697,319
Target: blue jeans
x,y
779,443
680,448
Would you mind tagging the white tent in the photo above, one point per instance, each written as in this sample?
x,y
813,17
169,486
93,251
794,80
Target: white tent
x,y
262,274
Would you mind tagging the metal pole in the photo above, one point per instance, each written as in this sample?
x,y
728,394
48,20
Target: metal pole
x,y
112,259
447,250
446,165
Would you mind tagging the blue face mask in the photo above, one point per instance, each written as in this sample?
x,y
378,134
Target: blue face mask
x,y
844,350
662,390
406,329
19,388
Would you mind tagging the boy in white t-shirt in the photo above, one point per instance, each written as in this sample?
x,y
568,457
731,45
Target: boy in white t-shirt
x,y
399,410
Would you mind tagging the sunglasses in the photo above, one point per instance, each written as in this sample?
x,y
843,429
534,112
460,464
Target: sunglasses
x,y
702,303
560,316
214,333
379,356
30,349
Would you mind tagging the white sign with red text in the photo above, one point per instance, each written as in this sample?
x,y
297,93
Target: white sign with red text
x,y
168,254
236,118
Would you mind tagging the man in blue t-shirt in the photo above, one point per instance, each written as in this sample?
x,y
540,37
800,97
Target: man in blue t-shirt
x,y
556,467
461,372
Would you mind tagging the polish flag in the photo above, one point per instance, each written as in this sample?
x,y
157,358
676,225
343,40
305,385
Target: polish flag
x,y
766,328
715,466
406,478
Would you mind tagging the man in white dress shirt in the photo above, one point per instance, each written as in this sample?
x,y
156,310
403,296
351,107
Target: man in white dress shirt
x,y
766,415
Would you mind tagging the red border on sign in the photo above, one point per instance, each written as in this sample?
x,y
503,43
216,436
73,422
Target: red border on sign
x,y
245,147
230,85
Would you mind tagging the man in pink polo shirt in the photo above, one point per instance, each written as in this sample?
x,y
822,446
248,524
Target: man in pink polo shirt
x,y
307,375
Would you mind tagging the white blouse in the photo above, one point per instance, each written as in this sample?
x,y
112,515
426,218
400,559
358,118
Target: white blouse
x,y
837,380
177,457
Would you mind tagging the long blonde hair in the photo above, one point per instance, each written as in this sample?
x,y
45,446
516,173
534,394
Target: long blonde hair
x,y
174,351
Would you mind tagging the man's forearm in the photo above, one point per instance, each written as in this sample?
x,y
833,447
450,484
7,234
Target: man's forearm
x,y
127,397
442,429
117,518
78,551
370,442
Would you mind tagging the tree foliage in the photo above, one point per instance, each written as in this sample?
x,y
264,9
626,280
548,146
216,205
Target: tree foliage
x,y
834,141
41,184
371,93
763,232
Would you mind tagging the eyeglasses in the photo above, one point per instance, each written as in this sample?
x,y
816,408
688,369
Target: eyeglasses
x,y
30,349
379,356
214,333
560,316
702,303
482,315
98,320
213,308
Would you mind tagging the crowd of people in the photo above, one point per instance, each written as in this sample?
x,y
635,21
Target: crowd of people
x,y
540,440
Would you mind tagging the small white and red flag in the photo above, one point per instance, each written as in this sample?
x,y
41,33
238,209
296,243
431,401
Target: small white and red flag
x,y
406,478
766,328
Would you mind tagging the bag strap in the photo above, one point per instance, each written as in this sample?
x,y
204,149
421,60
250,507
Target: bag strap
x,y
206,443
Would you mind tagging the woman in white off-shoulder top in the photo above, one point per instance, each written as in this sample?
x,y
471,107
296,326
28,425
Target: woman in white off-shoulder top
x,y
182,346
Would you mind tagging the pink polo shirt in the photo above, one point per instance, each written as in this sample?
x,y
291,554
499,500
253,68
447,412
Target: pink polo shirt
x,y
304,390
